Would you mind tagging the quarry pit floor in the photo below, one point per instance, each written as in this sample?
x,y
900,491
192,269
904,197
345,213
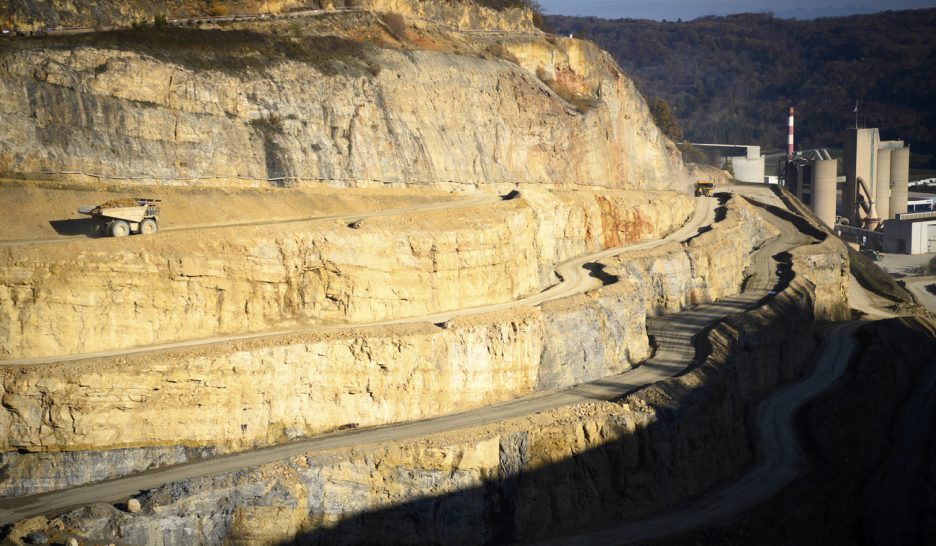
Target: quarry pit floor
x,y
671,359
676,352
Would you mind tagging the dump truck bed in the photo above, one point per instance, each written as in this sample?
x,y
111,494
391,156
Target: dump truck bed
x,y
131,210
130,214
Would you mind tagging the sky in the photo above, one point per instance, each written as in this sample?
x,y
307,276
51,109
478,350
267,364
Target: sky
x,y
672,10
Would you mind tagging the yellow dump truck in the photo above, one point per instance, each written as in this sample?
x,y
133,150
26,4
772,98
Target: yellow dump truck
x,y
704,188
124,216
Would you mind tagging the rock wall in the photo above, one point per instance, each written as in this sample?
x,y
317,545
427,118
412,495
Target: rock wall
x,y
304,102
242,394
700,273
820,264
32,15
519,479
32,472
459,14
849,431
103,294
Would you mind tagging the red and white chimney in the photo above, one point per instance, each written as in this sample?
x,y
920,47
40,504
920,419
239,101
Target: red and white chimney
x,y
790,137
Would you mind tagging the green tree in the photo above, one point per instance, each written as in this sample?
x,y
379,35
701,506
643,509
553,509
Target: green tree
x,y
732,79
665,120
729,166
690,153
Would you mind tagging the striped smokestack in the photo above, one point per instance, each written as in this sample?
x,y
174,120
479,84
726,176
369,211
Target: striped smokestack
x,y
790,137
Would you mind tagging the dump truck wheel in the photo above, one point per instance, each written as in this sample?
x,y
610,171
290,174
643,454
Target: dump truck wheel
x,y
148,226
119,228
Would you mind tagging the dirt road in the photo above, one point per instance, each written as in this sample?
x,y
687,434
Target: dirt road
x,y
779,460
780,456
575,280
346,218
673,334
921,290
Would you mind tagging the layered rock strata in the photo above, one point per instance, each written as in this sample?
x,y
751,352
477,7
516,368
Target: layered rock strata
x,y
239,395
22,15
519,479
105,294
819,263
310,101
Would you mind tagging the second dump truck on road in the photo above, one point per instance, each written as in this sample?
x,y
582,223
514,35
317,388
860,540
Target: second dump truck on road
x,y
703,188
124,216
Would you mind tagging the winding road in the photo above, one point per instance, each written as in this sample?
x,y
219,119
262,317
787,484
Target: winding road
x,y
575,280
673,333
347,218
779,459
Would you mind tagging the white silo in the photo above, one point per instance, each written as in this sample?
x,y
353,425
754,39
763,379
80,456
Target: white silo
x,y
825,173
860,158
900,174
882,184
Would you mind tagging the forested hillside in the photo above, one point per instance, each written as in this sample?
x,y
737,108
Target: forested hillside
x,y
732,79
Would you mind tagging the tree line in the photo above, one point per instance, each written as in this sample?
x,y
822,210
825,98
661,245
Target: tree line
x,y
732,79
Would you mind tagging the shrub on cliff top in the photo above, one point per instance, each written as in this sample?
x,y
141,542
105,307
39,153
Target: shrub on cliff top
x,y
531,5
395,24
218,9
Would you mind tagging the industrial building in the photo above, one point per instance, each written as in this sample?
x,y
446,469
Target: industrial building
x,y
815,183
871,209
746,161
911,233
876,175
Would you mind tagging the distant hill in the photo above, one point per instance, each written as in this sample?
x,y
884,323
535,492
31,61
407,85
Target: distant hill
x,y
731,79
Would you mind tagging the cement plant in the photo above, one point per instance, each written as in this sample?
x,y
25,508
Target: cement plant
x,y
420,272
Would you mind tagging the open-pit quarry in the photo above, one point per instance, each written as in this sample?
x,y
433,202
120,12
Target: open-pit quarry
x,y
424,274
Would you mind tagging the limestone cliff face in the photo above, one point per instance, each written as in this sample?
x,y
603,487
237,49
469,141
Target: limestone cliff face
x,y
519,479
106,294
30,15
238,395
824,264
338,100
706,269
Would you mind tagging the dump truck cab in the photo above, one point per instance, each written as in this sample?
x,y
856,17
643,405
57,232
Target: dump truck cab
x,y
122,217
703,188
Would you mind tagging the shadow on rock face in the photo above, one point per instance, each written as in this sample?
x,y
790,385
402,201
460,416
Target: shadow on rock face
x,y
597,271
72,227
